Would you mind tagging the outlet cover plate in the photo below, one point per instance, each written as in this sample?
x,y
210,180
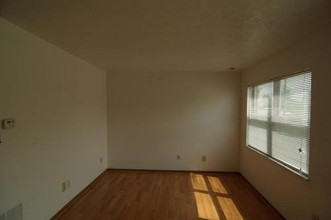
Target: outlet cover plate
x,y
8,123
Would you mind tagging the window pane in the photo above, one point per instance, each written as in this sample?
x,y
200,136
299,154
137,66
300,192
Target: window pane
x,y
278,120
260,100
257,138
291,121
285,148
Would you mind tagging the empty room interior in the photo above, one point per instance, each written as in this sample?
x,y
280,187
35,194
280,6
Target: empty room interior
x,y
173,109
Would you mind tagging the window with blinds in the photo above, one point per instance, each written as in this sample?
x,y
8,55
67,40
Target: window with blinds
x,y
278,120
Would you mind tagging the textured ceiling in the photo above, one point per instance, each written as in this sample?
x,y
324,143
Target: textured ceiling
x,y
169,35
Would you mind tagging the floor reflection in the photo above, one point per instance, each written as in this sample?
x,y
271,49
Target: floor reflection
x,y
212,199
205,206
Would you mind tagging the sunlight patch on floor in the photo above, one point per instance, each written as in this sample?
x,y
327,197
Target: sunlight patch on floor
x,y
198,182
216,185
205,206
230,209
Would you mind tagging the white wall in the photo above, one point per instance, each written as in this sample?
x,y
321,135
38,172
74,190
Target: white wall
x,y
152,117
59,102
293,196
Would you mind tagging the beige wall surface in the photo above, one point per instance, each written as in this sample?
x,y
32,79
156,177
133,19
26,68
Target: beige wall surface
x,y
293,196
152,117
59,103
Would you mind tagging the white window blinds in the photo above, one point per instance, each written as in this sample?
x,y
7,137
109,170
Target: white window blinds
x,y
278,120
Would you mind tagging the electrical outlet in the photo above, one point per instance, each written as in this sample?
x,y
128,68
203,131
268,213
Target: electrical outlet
x,y
178,156
68,184
203,158
64,186
8,123
101,160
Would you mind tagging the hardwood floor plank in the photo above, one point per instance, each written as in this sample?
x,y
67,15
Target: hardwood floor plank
x,y
158,195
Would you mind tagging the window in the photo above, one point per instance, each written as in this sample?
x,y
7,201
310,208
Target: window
x,y
278,120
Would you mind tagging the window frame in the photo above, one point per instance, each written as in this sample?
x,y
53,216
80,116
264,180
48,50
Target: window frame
x,y
269,156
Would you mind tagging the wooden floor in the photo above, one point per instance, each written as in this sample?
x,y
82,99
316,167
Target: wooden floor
x,y
134,195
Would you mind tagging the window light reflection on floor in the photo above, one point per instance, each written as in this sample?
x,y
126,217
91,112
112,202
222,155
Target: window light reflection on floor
x,y
229,209
212,199
198,182
216,185
205,206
